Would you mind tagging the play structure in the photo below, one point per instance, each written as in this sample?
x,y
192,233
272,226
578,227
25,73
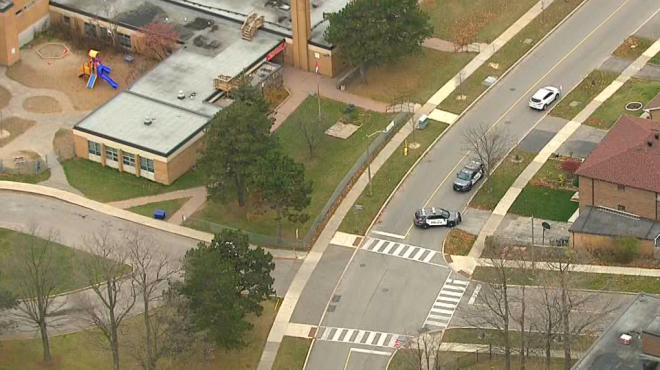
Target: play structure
x,y
94,70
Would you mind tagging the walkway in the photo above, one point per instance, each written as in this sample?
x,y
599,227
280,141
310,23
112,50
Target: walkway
x,y
301,83
283,317
450,47
39,138
468,265
197,198
483,349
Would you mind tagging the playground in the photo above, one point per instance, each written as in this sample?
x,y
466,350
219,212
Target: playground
x,y
62,74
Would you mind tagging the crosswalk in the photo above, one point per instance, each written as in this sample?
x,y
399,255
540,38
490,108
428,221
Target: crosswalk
x,y
364,337
445,304
409,252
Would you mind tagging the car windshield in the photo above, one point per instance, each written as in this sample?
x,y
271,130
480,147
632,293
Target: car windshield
x,y
444,213
418,214
536,100
464,175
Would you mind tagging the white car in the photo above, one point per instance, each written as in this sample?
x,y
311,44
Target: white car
x,y
544,97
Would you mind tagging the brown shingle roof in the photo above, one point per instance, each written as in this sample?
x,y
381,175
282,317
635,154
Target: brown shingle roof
x,y
624,156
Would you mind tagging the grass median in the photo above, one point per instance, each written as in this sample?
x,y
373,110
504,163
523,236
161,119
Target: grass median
x,y
632,47
387,178
504,58
499,182
459,242
583,94
583,280
292,353
407,359
491,336
635,90
545,203
30,179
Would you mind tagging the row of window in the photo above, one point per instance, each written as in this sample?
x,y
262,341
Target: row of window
x,y
123,39
112,154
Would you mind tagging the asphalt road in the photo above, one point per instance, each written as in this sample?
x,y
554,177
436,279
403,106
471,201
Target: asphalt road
x,y
73,223
388,292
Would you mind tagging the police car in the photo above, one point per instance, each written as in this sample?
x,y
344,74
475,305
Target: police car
x,y
468,176
427,217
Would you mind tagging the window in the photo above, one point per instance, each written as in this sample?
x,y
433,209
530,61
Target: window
x,y
93,148
125,41
621,187
128,159
104,32
621,208
90,30
111,154
66,20
147,165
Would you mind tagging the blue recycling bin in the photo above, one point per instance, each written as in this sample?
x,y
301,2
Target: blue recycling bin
x,y
160,214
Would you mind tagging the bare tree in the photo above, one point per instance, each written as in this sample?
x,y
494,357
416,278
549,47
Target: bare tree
x,y
520,316
547,314
423,352
494,309
488,144
312,131
151,273
114,294
38,280
112,11
157,40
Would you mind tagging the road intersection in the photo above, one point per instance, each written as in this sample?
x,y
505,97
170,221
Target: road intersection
x,y
393,282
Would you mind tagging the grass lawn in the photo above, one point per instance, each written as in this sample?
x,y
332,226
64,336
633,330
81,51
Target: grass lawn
x,y
584,93
550,171
501,180
417,77
489,17
546,203
15,126
30,179
66,259
79,352
459,242
633,47
169,206
105,184
634,90
292,353
470,361
387,178
655,60
584,280
333,158
508,55
491,336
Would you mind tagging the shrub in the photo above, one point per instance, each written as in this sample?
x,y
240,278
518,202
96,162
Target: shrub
x,y
576,181
570,166
627,250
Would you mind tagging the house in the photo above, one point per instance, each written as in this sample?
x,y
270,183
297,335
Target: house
x,y
620,188
631,342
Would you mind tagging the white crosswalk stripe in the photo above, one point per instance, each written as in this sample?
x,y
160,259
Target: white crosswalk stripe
x,y
364,337
445,304
395,249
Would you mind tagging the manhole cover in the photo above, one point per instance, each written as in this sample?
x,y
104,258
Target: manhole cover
x,y
385,290
507,122
527,41
512,89
332,308
574,103
362,265
336,298
489,81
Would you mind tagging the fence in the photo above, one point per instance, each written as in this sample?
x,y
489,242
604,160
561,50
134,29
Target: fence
x,y
24,167
471,358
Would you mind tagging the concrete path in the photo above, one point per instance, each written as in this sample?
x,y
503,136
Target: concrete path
x,y
507,201
592,269
39,138
197,198
301,83
450,47
483,349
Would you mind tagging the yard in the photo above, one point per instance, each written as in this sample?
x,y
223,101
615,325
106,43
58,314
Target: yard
x,y
169,206
459,242
67,274
583,280
78,351
292,353
388,177
632,48
106,184
635,90
333,158
472,87
472,361
501,179
416,77
546,203
583,94
30,179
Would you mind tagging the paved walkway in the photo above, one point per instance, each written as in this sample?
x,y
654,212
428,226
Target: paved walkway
x,y
301,83
197,198
592,269
293,294
39,138
450,47
483,349
468,265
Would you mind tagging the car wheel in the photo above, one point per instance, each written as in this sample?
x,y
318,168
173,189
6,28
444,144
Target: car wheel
x,y
469,187
545,107
425,226
451,224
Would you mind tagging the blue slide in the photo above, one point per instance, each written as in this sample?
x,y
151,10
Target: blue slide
x,y
91,81
103,73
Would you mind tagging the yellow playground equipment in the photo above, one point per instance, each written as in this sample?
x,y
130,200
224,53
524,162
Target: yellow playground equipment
x,y
94,69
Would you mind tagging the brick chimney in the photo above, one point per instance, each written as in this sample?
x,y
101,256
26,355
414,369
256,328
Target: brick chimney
x,y
301,21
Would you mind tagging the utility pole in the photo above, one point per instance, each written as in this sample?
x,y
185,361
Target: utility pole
x,y
533,257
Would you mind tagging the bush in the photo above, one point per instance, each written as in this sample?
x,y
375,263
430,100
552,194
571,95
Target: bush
x,y
576,181
570,166
627,250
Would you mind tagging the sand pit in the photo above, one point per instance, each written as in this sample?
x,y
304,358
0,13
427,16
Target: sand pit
x,y
42,104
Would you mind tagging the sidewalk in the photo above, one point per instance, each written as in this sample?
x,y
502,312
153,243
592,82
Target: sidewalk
x,y
483,349
283,317
507,201
197,198
592,269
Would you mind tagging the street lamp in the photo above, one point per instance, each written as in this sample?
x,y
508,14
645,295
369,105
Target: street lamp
x,y
371,190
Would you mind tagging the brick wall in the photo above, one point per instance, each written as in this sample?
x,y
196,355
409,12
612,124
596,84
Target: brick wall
x,y
80,145
589,242
182,162
606,194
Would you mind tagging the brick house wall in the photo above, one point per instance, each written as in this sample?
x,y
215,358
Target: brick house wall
x,y
18,25
590,242
182,161
640,202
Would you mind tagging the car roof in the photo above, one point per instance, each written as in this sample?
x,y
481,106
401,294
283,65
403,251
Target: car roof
x,y
432,211
473,165
542,92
